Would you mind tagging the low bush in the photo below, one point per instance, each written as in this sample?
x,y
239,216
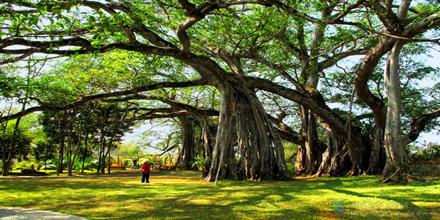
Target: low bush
x,y
430,152
32,172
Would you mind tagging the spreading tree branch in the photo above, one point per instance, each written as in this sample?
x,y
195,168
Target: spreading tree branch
x,y
83,100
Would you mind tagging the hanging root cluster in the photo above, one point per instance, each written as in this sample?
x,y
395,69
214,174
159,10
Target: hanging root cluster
x,y
260,147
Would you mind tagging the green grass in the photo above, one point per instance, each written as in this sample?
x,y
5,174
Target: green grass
x,y
186,196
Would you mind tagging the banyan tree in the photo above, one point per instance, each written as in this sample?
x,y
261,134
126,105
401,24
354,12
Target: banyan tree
x,y
286,49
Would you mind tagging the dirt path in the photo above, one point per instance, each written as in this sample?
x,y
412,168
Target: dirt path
x,y
10,213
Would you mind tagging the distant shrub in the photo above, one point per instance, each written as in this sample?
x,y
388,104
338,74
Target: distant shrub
x,y
431,152
199,163
29,171
24,164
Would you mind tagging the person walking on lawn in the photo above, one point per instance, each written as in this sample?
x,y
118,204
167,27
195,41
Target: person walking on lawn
x,y
145,172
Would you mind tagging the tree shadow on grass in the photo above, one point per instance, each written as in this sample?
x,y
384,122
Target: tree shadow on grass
x,y
188,206
406,202
204,202
408,208
121,198
30,185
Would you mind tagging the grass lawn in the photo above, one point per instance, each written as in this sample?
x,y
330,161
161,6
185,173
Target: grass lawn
x,y
184,195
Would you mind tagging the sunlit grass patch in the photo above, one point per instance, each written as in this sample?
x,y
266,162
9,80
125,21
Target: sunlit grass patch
x,y
186,196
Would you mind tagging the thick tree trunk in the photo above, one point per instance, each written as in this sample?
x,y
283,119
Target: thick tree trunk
x,y
376,161
310,69
396,165
357,150
261,153
187,152
207,143
264,153
344,155
312,155
6,167
352,154
7,161
324,167
223,141
326,159
300,160
335,160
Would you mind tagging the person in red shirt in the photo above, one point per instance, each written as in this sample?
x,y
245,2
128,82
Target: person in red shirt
x,y
145,172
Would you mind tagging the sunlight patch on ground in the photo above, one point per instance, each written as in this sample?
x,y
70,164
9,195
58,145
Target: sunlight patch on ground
x,y
187,196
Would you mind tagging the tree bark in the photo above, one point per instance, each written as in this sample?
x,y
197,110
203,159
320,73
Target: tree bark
x,y
311,159
335,159
106,155
101,149
396,164
207,143
327,155
187,152
300,160
69,159
60,167
82,165
223,141
261,153
377,157
355,147
109,161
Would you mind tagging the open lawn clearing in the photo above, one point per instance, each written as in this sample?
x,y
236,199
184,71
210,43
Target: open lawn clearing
x,y
186,195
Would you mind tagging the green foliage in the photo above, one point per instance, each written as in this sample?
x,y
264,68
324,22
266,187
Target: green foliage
x,y
129,151
199,163
17,144
8,85
85,153
25,165
89,121
430,152
290,150
44,151
88,165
